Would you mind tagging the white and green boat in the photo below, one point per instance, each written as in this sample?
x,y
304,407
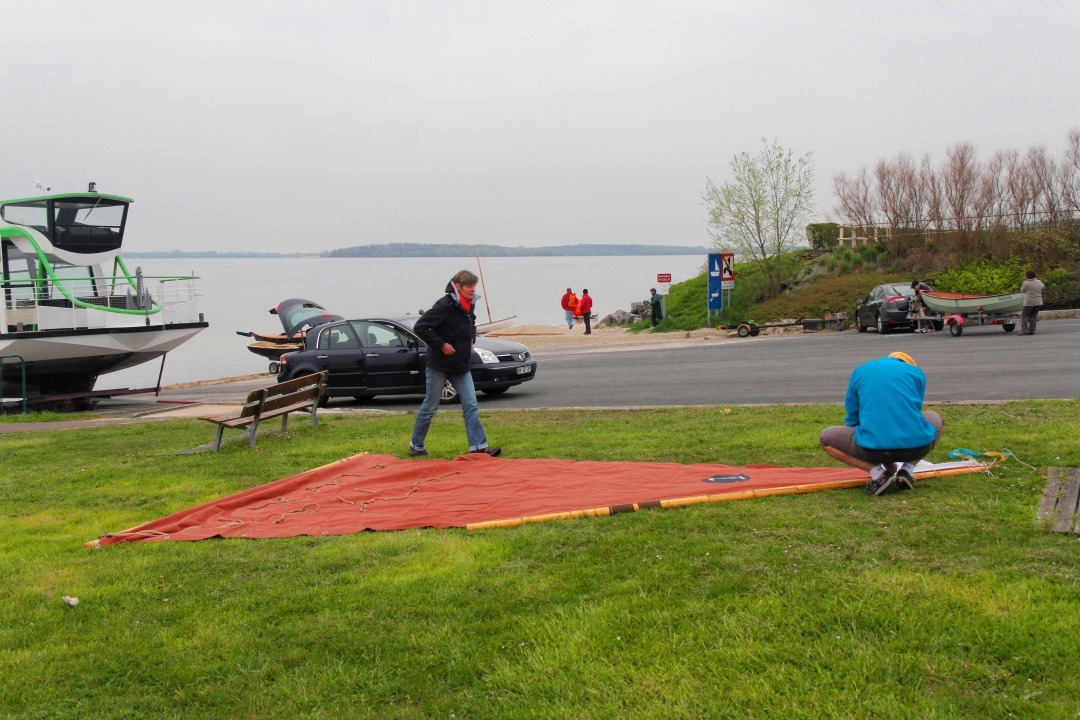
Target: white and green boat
x,y
71,309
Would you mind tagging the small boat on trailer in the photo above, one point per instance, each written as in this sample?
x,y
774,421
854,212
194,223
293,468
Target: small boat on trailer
x,y
71,309
948,303
975,309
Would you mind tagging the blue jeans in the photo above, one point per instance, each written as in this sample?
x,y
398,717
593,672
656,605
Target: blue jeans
x,y
570,319
463,383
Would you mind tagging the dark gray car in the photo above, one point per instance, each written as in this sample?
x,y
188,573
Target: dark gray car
x,y
889,307
383,356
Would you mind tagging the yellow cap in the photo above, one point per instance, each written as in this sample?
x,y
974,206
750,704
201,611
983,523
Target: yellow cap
x,y
903,356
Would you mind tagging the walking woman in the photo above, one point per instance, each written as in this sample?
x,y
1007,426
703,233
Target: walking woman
x,y
449,330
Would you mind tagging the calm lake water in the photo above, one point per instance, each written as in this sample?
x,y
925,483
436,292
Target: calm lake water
x,y
237,294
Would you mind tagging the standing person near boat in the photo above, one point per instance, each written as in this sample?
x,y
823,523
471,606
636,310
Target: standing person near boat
x,y
919,286
569,304
449,330
585,308
885,430
654,302
1032,289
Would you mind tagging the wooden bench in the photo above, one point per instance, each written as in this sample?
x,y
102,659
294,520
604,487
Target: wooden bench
x,y
297,395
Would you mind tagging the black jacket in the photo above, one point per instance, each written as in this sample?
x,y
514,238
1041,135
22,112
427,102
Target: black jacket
x,y
447,322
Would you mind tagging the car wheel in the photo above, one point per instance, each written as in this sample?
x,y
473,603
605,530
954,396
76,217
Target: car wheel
x,y
939,325
1008,327
882,328
858,322
449,394
495,391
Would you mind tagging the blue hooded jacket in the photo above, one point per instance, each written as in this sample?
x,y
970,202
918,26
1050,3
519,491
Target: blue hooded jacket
x,y
884,404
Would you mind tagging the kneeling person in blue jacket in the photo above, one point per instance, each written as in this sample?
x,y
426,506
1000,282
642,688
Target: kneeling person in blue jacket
x,y
886,430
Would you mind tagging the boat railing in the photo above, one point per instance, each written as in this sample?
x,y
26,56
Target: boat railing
x,y
98,302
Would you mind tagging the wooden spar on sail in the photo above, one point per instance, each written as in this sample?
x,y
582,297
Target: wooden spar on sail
x,y
483,287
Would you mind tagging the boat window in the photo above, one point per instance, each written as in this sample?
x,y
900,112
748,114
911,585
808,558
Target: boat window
x,y
30,214
20,274
88,225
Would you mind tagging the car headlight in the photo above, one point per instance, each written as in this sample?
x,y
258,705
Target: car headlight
x,y
486,356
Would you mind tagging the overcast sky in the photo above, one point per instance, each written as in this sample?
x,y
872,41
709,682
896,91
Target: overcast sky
x,y
287,126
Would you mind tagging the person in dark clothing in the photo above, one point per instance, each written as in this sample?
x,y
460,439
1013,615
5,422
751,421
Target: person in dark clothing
x,y
585,308
449,330
654,301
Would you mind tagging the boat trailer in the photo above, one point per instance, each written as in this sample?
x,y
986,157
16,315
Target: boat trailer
x,y
958,321
749,328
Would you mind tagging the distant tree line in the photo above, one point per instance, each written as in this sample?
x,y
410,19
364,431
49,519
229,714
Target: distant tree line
x,y
398,250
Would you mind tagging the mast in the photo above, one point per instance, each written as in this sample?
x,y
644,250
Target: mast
x,y
482,285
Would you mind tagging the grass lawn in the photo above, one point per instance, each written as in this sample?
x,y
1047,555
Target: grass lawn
x,y
945,602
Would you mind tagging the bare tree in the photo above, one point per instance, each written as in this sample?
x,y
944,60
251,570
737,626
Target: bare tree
x,y
1070,172
762,210
856,197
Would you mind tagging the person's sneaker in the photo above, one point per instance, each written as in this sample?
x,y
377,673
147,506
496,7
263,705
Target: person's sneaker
x,y
492,451
904,479
413,452
877,487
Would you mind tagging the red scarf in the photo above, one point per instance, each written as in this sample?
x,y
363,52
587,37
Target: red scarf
x,y
465,304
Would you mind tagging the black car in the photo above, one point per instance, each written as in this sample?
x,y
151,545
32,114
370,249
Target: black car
x,y
890,307
379,356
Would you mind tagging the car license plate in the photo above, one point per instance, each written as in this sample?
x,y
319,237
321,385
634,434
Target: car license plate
x,y
525,370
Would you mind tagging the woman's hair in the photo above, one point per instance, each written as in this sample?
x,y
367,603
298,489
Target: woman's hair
x,y
464,277
1030,274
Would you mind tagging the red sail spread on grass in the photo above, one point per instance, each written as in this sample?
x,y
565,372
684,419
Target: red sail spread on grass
x,y
382,492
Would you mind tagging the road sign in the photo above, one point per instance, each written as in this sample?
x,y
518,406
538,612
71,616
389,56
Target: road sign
x,y
663,277
716,298
727,271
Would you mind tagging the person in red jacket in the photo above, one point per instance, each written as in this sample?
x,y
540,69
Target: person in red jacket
x,y
569,300
585,309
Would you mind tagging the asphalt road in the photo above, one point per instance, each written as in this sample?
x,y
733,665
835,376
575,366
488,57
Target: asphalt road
x,y
984,364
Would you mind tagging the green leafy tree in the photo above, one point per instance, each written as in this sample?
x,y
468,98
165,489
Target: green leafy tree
x,y
763,209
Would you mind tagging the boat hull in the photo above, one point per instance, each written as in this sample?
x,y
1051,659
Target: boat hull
x,y
59,361
484,328
967,303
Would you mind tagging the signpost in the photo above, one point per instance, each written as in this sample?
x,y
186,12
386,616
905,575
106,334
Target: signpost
x,y
721,277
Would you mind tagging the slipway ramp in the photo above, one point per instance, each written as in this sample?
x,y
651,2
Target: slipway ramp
x,y
383,492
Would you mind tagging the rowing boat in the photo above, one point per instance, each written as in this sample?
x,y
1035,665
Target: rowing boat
x,y
948,303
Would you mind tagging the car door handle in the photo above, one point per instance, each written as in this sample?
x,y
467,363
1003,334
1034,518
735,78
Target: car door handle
x,y
322,357
372,355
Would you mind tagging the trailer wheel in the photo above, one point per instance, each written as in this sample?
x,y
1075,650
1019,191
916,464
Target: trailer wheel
x,y
744,330
1008,327
755,331
956,329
